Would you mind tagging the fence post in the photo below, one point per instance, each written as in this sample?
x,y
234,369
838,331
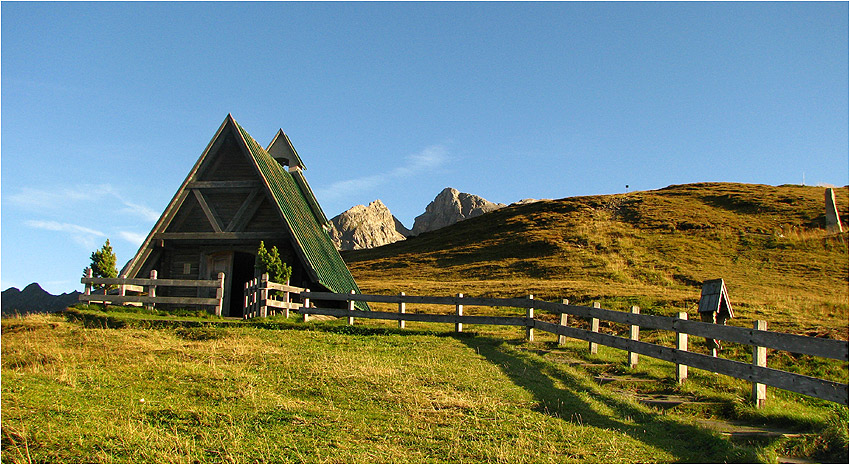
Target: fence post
x,y
459,312
682,344
401,309
255,298
257,284
351,309
105,293
264,295
529,328
634,335
89,275
219,294
594,326
151,291
306,305
561,338
246,305
252,298
249,298
286,300
759,360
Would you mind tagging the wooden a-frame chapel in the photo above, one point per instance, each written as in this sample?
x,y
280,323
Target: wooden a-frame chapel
x,y
236,195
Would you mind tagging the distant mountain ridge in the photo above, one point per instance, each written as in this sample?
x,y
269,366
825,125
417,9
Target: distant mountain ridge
x,y
366,226
34,299
449,207
369,226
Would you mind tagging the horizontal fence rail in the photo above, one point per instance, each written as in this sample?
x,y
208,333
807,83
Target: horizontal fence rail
x,y
142,299
757,372
149,296
152,282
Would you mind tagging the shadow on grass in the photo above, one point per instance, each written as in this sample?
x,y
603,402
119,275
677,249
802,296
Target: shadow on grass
x,y
107,320
567,398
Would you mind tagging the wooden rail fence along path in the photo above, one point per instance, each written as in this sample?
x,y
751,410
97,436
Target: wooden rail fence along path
x,y
259,301
148,287
758,337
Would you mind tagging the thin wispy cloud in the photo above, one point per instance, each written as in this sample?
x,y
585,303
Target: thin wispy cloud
x,y
64,227
429,158
142,211
87,237
39,198
415,164
350,186
132,237
66,198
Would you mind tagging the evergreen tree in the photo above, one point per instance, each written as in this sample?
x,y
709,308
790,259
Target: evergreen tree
x,y
103,262
268,261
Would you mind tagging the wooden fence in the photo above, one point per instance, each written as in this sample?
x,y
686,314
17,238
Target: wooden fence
x,y
259,301
759,338
148,287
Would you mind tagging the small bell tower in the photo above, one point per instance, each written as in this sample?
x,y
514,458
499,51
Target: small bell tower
x,y
281,149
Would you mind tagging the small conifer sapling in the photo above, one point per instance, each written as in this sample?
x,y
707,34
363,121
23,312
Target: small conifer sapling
x,y
103,262
269,261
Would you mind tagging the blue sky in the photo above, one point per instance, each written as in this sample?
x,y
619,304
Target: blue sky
x,y
106,106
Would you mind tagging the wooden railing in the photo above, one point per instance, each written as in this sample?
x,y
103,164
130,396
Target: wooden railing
x,y
759,338
259,302
148,288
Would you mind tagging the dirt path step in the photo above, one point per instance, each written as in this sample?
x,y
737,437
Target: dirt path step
x,y
605,379
666,401
566,357
783,459
581,363
739,430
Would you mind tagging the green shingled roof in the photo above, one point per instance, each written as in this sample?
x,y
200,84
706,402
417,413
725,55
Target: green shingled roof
x,y
321,255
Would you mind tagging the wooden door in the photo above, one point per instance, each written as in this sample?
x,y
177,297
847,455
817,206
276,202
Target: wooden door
x,y
222,262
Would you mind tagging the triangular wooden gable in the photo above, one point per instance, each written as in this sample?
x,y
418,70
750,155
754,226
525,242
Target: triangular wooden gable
x,y
218,199
236,192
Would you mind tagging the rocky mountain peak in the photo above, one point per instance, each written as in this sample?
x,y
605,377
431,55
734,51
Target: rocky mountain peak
x,y
365,227
449,207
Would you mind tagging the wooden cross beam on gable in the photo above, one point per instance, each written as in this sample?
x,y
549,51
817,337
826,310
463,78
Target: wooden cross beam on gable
x,y
240,219
212,216
246,211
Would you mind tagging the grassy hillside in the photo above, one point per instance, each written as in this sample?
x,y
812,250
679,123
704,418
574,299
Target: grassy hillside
x,y
331,393
652,249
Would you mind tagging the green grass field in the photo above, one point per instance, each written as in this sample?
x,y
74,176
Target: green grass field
x,y
327,392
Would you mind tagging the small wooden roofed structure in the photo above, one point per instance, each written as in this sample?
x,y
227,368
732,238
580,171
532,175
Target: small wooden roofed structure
x,y
715,299
236,195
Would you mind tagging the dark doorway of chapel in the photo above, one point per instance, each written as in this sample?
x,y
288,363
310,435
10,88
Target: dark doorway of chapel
x,y
243,271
